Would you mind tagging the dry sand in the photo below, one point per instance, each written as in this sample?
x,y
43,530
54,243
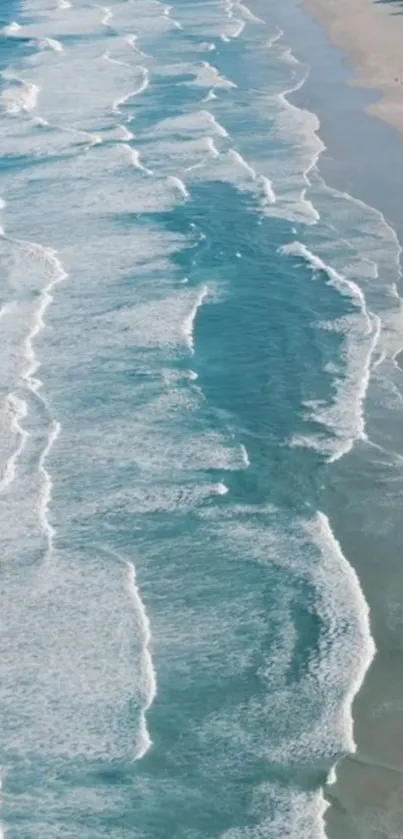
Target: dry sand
x,y
371,32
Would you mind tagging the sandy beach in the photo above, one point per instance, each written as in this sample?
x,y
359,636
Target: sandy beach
x,y
371,32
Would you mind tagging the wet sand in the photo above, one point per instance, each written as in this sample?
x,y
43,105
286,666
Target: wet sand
x,y
371,32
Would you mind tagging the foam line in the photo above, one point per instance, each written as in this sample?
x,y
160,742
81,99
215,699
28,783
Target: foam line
x,y
322,530
189,322
267,189
262,182
94,139
320,146
245,456
33,382
279,34
211,147
247,14
238,31
18,406
216,125
237,158
107,57
349,421
52,43
212,153
337,280
228,6
135,159
46,491
107,16
18,409
45,300
149,678
126,134
178,184
167,13
143,86
132,41
210,96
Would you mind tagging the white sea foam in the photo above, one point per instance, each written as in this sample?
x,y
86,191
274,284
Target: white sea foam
x,y
276,37
107,56
210,96
33,383
51,43
18,409
294,814
307,124
178,185
107,15
58,274
207,46
266,186
263,185
136,92
373,258
40,121
343,285
316,729
208,76
167,13
240,26
189,321
19,96
96,700
221,489
245,456
132,41
216,125
46,489
12,29
148,679
135,159
211,147
346,592
247,14
237,158
212,153
344,416
125,133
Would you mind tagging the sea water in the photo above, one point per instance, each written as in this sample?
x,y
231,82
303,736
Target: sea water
x,y
190,321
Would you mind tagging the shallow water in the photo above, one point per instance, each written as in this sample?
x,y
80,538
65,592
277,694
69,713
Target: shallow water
x,y
190,322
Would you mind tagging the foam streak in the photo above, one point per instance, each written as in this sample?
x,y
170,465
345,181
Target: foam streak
x,y
148,675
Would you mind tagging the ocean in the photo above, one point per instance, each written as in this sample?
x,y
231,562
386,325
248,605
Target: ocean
x,y
200,387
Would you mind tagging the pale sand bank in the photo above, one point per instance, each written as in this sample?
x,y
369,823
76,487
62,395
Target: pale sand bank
x,y
371,31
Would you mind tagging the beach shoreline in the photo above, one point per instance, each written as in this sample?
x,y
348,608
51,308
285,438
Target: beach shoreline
x,y
370,33
365,799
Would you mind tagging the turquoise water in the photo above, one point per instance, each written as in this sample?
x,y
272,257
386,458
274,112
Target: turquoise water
x,y
190,319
